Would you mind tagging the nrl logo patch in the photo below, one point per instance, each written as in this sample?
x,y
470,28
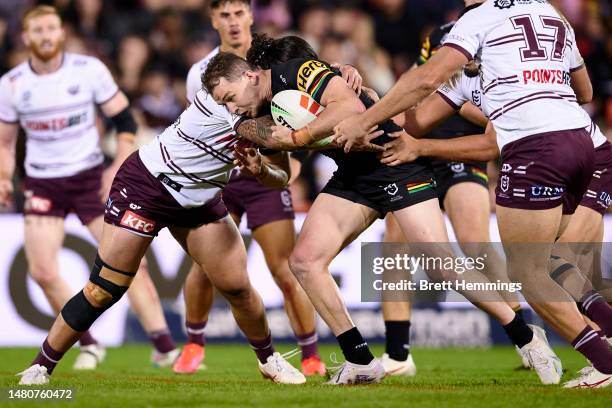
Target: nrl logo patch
x,y
503,4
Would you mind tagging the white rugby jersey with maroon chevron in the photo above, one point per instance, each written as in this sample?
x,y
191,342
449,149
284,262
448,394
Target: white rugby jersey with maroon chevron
x,y
196,151
58,113
524,46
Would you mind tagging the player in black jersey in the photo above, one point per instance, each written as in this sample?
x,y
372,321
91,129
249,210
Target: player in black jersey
x,y
360,190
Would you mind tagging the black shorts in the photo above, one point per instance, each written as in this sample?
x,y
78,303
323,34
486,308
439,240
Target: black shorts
x,y
447,174
385,189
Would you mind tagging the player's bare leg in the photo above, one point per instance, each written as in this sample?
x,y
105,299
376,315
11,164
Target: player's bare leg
x,y
332,223
147,306
528,264
119,256
531,344
467,206
44,236
575,265
397,359
277,240
229,275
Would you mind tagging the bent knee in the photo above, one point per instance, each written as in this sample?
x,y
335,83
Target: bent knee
x,y
96,295
44,275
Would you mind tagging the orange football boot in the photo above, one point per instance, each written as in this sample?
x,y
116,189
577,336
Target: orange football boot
x,y
190,359
313,366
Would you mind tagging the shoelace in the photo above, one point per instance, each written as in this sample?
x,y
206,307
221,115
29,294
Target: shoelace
x,y
333,370
281,359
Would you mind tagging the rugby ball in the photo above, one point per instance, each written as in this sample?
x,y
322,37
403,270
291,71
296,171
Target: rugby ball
x,y
294,109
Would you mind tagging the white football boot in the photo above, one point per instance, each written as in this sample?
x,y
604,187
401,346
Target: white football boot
x,y
164,359
278,369
590,377
89,357
354,374
34,375
542,358
395,367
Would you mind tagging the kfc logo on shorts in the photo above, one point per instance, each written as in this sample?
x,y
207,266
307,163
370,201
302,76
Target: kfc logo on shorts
x,y
391,189
37,204
504,183
137,222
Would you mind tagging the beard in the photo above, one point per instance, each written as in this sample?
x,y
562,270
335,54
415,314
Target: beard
x,y
46,54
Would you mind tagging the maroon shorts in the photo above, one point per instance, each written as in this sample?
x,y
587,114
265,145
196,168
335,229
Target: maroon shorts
x,y
262,204
140,203
598,196
546,170
56,197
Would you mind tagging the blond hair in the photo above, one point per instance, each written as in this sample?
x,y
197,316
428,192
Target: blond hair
x,y
42,10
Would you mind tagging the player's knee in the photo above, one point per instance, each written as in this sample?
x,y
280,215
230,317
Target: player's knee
x,y
44,274
103,290
236,295
300,263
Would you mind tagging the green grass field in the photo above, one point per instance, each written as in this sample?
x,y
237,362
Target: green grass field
x,y
446,377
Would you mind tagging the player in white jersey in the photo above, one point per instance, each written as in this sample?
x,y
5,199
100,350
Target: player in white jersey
x,y
269,212
542,133
175,182
53,97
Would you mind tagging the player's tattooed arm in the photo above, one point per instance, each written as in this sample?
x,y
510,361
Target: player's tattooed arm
x,y
261,131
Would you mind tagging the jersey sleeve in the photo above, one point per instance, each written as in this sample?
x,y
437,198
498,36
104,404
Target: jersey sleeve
x,y
104,84
576,60
453,94
8,112
307,75
194,82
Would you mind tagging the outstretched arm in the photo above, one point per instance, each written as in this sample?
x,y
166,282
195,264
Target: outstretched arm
x,y
405,148
412,87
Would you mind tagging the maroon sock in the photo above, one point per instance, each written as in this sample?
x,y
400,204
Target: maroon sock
x,y
594,306
48,357
308,344
162,341
195,332
262,348
87,339
594,349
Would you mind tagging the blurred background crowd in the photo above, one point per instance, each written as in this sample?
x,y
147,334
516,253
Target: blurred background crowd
x,y
149,45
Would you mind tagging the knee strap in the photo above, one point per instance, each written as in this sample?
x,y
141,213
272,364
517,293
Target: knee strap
x,y
79,313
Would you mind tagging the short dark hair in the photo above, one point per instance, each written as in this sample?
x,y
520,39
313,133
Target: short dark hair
x,y
266,51
215,4
223,65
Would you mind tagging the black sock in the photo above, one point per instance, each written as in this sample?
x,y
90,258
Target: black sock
x,y
354,347
518,332
397,339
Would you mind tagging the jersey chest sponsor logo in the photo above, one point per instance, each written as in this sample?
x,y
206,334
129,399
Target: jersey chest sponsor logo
x,y
137,222
308,72
546,76
56,123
